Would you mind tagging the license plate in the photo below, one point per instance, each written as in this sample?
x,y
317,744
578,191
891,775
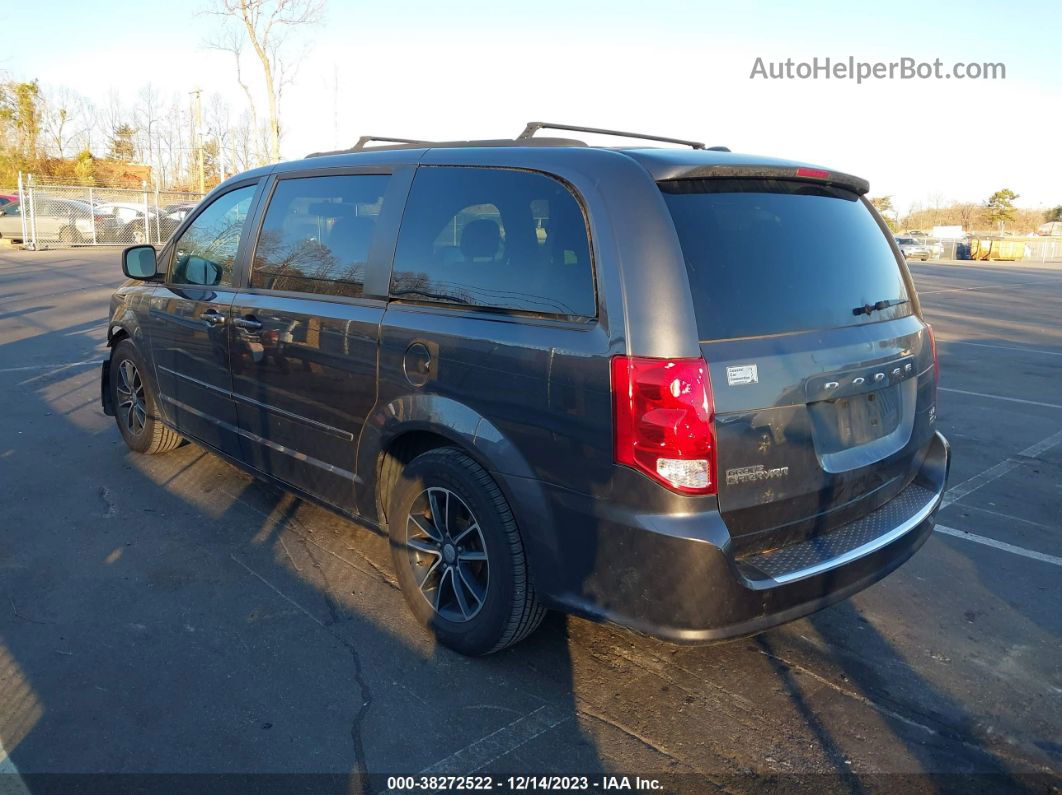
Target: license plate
x,y
864,418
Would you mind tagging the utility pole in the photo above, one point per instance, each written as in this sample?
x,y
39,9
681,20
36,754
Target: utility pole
x,y
197,135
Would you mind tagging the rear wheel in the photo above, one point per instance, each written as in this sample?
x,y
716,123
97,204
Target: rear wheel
x,y
135,404
458,554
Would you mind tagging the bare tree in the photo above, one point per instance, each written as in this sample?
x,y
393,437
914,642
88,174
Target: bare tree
x,y
232,41
147,115
64,119
244,151
269,26
219,129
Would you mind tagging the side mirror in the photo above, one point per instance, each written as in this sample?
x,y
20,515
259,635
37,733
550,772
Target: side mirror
x,y
139,262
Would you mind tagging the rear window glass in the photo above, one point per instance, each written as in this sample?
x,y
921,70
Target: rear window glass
x,y
773,256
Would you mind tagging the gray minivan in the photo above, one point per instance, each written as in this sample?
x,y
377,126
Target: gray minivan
x,y
683,390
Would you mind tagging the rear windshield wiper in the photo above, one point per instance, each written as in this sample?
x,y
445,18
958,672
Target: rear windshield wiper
x,y
866,309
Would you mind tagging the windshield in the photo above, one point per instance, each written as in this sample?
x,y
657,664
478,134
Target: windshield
x,y
772,256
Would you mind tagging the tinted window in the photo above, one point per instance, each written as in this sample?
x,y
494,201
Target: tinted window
x,y
316,234
503,239
769,256
207,249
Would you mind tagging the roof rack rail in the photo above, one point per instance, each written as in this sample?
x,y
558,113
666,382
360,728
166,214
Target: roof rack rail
x,y
534,126
366,139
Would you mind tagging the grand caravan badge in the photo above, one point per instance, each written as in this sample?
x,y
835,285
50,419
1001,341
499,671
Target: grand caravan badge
x,y
754,473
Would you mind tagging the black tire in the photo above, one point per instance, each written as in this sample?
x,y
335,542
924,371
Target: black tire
x,y
135,405
508,610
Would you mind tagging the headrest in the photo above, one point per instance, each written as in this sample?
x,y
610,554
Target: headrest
x,y
480,239
351,236
330,210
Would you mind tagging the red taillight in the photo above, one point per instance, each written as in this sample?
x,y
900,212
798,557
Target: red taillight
x,y
663,413
812,173
933,349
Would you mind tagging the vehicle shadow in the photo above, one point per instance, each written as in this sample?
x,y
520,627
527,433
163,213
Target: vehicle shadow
x,y
942,737
169,614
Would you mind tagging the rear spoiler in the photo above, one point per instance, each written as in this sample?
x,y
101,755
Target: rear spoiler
x,y
801,173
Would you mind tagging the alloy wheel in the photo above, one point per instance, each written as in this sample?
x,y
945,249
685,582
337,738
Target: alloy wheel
x,y
447,554
131,401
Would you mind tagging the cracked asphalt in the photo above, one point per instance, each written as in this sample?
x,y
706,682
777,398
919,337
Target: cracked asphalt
x,y
170,614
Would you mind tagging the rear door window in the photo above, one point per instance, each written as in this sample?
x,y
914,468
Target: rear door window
x,y
316,234
773,256
497,239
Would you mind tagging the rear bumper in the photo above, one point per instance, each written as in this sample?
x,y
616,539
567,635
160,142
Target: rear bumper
x,y
675,577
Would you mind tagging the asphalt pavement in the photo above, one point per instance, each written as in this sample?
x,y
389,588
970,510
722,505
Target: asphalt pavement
x,y
170,614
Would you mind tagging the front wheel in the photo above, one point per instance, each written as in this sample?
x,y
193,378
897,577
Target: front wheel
x,y
458,554
135,404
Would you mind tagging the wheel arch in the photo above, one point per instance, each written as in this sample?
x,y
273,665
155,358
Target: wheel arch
x,y
399,431
116,332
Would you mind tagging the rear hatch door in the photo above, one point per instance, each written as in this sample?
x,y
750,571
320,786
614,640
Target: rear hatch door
x,y
821,369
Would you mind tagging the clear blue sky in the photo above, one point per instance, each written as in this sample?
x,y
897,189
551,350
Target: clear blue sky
x,y
464,69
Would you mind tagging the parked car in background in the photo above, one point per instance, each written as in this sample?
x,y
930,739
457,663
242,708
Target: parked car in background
x,y
58,220
11,221
7,198
913,249
687,391
131,226
178,212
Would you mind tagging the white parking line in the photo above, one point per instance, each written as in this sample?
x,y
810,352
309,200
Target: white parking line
x,y
1004,286
1003,545
1000,347
957,492
53,366
1000,397
477,755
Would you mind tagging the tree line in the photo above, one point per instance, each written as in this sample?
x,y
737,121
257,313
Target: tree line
x,y
996,214
56,132
179,140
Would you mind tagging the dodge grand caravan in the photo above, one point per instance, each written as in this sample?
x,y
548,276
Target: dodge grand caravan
x,y
683,390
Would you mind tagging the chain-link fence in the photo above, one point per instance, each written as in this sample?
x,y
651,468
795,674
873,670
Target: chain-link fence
x,y
48,214
983,247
